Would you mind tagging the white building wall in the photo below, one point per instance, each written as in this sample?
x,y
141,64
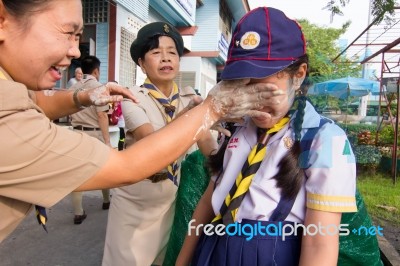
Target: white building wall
x,y
209,76
193,64
206,72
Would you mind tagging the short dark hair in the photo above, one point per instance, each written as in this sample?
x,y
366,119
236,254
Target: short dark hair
x,y
89,64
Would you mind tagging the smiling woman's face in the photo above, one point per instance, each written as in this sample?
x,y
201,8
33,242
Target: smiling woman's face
x,y
34,52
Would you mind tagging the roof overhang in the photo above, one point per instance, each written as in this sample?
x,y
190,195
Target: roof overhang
x,y
177,12
238,8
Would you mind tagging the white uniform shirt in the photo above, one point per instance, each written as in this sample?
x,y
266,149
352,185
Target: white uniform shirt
x,y
330,183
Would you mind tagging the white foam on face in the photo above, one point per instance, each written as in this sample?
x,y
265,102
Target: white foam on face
x,y
49,92
234,100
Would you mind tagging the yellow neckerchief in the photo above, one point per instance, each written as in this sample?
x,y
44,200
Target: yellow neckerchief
x,y
169,104
170,107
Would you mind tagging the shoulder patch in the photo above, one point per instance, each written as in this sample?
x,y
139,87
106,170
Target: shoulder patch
x,y
346,148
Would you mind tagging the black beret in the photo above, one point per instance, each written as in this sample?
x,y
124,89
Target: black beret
x,y
153,29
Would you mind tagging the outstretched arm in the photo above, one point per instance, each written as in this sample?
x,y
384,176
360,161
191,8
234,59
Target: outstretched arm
x,y
152,153
60,103
156,151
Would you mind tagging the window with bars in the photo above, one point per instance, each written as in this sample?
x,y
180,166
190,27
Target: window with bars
x,y
127,68
226,19
184,79
95,11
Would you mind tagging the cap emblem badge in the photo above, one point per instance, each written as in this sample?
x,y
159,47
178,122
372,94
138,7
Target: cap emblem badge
x,y
250,40
166,28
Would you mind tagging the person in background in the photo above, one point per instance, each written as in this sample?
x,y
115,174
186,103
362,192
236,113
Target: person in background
x,y
78,77
265,176
92,121
134,237
45,162
121,126
116,118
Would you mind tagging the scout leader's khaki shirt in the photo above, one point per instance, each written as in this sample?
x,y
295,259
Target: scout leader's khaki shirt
x,y
41,162
88,117
150,111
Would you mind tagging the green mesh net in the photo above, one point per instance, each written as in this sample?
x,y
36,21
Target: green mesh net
x,y
353,249
194,181
357,249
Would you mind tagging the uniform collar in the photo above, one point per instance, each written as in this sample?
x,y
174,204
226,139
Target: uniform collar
x,y
13,95
311,117
182,91
87,77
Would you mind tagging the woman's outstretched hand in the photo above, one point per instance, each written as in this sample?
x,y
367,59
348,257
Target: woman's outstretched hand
x,y
108,93
237,98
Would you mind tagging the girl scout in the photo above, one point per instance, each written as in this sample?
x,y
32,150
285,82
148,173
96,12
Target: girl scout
x,y
268,181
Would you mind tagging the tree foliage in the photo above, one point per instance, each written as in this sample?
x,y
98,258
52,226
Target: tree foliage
x,y
380,9
322,47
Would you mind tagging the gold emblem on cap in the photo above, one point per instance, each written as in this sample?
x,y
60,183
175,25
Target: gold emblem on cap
x,y
288,142
250,40
166,28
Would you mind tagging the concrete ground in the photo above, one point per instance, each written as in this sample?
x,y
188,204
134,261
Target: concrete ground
x,y
65,243
389,255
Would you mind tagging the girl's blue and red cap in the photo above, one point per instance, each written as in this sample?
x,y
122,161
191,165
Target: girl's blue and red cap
x,y
263,43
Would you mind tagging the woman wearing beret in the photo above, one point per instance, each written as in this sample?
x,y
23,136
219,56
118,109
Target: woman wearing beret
x,y
43,162
136,237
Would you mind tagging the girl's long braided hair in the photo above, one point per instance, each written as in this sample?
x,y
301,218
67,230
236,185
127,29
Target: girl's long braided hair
x,y
290,176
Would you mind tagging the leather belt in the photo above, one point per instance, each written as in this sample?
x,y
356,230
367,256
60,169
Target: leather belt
x,y
86,128
158,177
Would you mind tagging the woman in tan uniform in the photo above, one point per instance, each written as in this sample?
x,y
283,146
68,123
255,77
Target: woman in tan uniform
x,y
42,163
135,237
